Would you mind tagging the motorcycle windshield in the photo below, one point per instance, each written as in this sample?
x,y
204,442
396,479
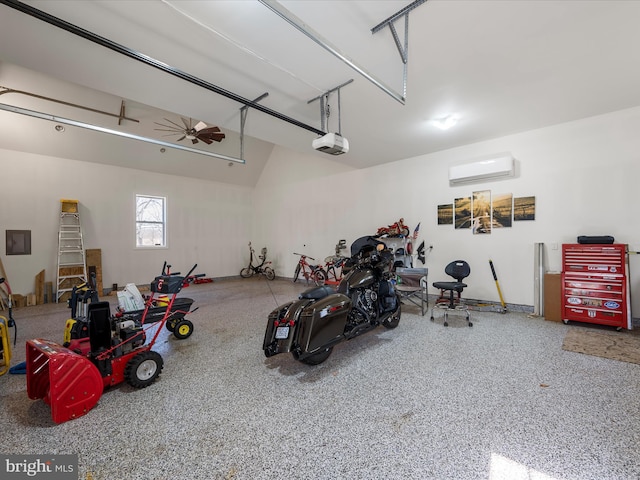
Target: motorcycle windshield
x,y
364,245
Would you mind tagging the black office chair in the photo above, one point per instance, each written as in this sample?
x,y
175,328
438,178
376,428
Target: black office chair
x,y
459,270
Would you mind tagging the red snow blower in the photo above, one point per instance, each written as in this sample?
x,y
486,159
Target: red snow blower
x,y
71,381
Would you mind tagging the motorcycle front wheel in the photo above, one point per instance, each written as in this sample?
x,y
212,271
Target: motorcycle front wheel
x,y
245,272
393,320
315,359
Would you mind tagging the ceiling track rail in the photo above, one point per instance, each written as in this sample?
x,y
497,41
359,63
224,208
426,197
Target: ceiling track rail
x,y
120,116
296,22
140,57
97,128
402,49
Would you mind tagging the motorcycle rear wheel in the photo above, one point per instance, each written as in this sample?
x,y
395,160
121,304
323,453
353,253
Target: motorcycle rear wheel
x,y
315,359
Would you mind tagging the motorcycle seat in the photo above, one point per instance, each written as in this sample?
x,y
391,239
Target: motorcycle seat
x,y
316,293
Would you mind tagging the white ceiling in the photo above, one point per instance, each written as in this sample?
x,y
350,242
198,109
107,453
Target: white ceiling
x,y
503,66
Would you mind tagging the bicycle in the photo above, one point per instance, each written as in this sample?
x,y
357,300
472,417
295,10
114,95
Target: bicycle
x,y
262,269
333,264
310,272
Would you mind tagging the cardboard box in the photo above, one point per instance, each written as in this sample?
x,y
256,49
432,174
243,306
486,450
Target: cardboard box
x,y
553,296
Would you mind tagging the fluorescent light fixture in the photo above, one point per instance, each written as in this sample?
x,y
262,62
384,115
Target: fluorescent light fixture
x,y
446,122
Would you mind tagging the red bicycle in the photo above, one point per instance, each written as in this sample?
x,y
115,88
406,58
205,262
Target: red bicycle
x,y
314,273
333,264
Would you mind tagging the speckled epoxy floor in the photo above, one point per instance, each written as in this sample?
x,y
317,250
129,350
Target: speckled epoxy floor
x,y
500,400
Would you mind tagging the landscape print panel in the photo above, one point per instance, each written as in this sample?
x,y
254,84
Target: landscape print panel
x,y
502,210
481,212
524,208
462,212
445,214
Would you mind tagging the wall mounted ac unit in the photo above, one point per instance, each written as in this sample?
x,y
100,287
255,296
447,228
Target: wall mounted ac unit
x,y
490,169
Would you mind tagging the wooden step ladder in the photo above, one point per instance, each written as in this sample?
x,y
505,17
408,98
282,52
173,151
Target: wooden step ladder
x,y
72,266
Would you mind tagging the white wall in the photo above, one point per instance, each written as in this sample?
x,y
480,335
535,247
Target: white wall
x,y
583,174
208,222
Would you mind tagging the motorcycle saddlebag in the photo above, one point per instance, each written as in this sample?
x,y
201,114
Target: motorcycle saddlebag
x,y
281,327
599,239
322,323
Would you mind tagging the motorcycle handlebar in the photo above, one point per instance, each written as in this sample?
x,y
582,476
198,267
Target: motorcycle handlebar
x,y
305,256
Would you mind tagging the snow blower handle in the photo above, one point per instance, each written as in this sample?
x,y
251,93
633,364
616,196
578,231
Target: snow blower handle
x,y
10,321
191,271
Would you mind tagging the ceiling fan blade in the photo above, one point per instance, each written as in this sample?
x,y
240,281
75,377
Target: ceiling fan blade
x,y
209,130
186,125
181,138
179,127
216,137
175,131
200,126
205,140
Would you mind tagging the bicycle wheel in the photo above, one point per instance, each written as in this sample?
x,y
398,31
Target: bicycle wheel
x,y
296,273
246,272
269,273
319,276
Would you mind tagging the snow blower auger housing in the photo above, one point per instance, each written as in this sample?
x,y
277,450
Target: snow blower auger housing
x,y
71,380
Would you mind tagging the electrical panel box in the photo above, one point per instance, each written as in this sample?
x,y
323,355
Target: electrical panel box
x,y
595,284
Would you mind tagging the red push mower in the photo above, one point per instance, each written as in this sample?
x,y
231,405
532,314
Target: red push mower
x,y
71,380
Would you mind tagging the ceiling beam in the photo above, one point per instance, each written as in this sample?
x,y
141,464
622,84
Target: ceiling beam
x,y
140,57
293,20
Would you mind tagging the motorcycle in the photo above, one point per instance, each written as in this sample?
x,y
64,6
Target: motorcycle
x,y
322,317
396,229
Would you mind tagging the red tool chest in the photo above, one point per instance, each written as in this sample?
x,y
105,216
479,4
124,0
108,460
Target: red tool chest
x,y
595,284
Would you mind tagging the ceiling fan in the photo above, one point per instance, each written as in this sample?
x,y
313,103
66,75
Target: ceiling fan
x,y
199,131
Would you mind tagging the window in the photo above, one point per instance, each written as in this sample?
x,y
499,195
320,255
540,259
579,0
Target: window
x,y
151,221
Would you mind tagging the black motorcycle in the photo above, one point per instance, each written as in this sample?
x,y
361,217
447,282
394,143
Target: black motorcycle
x,y
311,326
